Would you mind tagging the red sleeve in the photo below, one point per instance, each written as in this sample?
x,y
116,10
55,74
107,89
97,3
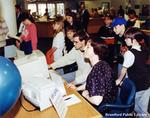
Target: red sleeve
x,y
33,36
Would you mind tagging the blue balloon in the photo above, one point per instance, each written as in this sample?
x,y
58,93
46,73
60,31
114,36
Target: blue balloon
x,y
10,85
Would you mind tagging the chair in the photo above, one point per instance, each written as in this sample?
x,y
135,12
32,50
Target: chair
x,y
50,55
149,106
124,102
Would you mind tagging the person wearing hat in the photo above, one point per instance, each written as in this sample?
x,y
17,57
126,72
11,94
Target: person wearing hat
x,y
119,27
28,38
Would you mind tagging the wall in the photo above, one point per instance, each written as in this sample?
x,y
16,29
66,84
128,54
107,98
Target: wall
x,y
117,3
95,3
72,4
124,3
144,1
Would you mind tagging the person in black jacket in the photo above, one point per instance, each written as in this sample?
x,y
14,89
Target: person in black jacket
x,y
19,15
84,16
120,12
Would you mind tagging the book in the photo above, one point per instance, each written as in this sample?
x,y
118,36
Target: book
x,y
14,37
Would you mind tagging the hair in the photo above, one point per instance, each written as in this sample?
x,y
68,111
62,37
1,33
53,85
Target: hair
x,y
25,16
131,11
109,16
100,48
18,7
60,22
71,15
70,28
138,35
82,36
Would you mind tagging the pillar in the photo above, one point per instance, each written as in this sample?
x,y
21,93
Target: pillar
x,y
7,11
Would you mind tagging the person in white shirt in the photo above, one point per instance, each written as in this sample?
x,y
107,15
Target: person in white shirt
x,y
134,65
76,55
59,38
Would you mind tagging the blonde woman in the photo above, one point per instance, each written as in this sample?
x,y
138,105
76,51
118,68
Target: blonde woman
x,y
59,38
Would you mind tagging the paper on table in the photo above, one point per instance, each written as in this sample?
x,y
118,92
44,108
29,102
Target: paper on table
x,y
71,99
58,102
10,51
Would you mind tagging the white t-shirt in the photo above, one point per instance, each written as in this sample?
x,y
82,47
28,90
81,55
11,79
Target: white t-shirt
x,y
59,43
129,57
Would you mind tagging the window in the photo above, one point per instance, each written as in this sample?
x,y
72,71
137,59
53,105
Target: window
x,y
32,7
53,8
41,9
60,9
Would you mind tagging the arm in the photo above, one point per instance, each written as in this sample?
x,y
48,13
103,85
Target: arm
x,y
122,74
82,77
25,34
128,62
59,44
96,100
65,60
81,88
33,36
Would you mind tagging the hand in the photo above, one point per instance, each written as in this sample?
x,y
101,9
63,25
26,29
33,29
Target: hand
x,y
118,82
85,93
17,44
72,86
123,49
50,67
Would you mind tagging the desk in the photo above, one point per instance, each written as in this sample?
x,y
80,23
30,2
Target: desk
x,y
80,110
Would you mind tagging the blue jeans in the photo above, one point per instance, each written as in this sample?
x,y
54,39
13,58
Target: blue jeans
x,y
141,103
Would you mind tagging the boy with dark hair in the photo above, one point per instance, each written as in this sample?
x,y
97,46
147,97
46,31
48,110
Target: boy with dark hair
x,y
80,39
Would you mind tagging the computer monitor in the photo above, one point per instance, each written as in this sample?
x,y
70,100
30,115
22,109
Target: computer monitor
x,y
37,84
32,66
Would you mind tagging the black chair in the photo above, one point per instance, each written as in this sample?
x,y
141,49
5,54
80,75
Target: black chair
x,y
124,103
149,106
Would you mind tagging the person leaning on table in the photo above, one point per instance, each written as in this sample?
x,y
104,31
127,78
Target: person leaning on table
x,y
80,40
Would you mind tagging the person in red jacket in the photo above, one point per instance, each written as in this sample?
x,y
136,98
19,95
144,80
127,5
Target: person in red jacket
x,y
28,38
